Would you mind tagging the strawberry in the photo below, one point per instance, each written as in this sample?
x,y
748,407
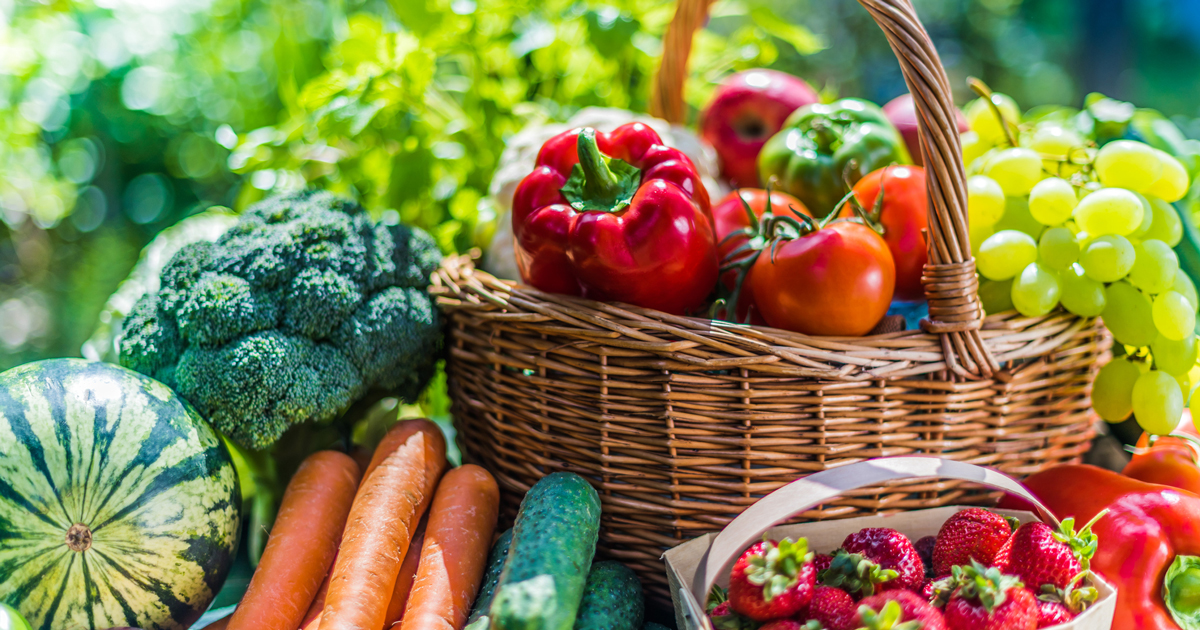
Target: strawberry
x,y
1052,614
831,609
856,574
822,561
924,549
772,580
987,599
722,616
782,624
899,610
1038,555
892,551
928,590
972,534
1056,605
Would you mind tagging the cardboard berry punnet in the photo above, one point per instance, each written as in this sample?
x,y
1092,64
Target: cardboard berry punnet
x,y
695,566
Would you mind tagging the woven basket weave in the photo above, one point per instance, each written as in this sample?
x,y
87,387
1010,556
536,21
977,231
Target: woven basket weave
x,y
681,423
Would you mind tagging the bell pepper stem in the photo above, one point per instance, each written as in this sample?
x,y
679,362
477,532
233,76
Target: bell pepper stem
x,y
599,181
1181,590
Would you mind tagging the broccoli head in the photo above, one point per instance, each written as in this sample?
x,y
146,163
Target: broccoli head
x,y
296,312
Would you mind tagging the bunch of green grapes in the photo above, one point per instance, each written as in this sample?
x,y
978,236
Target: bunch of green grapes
x,y
1056,220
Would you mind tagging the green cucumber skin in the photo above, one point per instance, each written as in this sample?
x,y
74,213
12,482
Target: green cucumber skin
x,y
555,536
613,599
491,576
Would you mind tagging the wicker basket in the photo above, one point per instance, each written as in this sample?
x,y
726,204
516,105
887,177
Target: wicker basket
x,y
682,423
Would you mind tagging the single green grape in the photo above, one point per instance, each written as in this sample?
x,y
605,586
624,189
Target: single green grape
x,y
1017,170
1057,248
1194,405
979,234
1128,164
1060,148
1052,200
982,120
1166,226
1174,357
1017,217
1157,402
973,148
996,296
1147,218
1183,285
1185,384
1129,315
1108,258
1112,393
985,201
1004,254
1081,295
1154,267
1174,316
1035,291
1173,184
1109,211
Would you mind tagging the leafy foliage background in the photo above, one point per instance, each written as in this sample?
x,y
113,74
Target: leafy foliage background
x,y
120,117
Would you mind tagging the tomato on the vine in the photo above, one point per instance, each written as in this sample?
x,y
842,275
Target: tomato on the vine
x,y
836,280
730,218
896,198
729,214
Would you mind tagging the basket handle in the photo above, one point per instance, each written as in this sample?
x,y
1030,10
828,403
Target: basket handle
x,y
808,492
951,286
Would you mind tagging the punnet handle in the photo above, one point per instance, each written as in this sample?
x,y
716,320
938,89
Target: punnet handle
x,y
815,489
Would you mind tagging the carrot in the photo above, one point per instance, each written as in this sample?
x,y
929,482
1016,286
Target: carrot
x,y
398,435
312,618
302,544
379,531
404,581
461,523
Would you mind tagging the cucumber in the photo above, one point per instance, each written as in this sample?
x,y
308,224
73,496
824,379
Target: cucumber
x,y
553,542
612,600
491,576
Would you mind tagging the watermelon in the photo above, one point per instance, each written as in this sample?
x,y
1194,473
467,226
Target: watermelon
x,y
119,505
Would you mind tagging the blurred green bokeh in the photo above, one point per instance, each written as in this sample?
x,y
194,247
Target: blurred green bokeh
x,y
120,117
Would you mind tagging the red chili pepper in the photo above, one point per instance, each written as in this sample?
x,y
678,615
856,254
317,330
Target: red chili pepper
x,y
1149,538
1170,461
616,217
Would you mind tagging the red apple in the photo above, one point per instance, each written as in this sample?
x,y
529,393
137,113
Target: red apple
x,y
746,110
903,114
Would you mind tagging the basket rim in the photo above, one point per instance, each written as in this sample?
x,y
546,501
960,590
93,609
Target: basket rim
x,y
460,287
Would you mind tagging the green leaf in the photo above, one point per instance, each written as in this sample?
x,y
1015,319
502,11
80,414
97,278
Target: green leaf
x,y
611,31
803,40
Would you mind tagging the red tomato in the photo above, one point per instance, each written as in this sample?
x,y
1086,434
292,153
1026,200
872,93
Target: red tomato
x,y
836,281
904,214
729,216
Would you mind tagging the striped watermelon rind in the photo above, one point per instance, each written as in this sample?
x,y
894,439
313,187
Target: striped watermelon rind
x,y
147,485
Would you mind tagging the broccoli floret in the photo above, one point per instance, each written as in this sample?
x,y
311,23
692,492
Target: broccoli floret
x,y
298,311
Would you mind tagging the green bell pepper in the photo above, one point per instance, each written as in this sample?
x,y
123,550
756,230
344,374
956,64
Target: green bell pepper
x,y
824,148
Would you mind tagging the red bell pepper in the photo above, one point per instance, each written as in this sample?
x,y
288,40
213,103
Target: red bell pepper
x,y
1170,461
1148,541
616,217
